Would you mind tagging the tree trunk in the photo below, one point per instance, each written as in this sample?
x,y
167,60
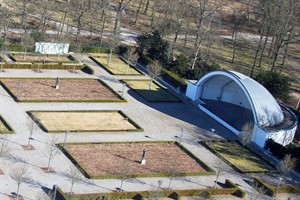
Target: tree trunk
x,y
196,55
18,190
256,53
146,7
264,47
171,178
138,11
234,44
153,16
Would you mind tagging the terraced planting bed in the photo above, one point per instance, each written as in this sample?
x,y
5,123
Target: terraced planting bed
x,y
47,58
107,160
70,90
151,92
116,66
84,121
242,159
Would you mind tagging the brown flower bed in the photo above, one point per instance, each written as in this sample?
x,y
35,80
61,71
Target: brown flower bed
x,y
73,90
106,160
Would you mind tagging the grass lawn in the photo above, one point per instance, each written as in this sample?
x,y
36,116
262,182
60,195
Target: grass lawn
x,y
244,160
154,94
4,127
70,90
116,66
107,160
85,121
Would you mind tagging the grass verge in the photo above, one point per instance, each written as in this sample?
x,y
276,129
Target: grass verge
x,y
241,159
152,92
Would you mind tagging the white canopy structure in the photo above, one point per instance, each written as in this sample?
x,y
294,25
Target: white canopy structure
x,y
234,99
51,48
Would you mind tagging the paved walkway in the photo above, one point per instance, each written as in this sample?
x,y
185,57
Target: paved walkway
x,y
161,121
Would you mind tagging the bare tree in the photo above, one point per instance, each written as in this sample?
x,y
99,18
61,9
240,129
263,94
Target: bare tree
x,y
172,171
286,165
123,172
20,175
119,7
113,43
220,169
4,148
51,150
74,176
32,126
257,192
131,57
27,42
80,8
154,71
246,135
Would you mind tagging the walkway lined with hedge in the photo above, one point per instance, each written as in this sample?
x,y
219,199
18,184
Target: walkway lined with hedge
x,y
161,121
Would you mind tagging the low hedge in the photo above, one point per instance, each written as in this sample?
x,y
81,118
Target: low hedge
x,y
59,66
230,189
173,79
271,189
70,57
90,49
208,170
6,124
138,128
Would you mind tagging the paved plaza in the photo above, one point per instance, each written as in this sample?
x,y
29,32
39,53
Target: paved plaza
x,y
160,121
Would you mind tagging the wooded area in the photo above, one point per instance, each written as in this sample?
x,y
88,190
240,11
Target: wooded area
x,y
243,35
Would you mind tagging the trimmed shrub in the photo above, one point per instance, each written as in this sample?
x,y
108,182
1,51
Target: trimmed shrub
x,y
173,79
175,194
271,190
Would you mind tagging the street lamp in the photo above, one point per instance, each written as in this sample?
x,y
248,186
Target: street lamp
x,y
181,133
211,136
158,188
66,134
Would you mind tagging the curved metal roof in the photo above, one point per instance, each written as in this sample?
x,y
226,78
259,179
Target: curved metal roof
x,y
265,108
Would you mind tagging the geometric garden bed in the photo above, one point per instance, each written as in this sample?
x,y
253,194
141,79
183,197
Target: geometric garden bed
x,y
83,121
240,158
108,160
70,90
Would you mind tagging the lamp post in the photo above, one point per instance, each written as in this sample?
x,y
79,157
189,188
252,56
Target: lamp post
x,y
66,135
181,133
123,87
158,188
211,135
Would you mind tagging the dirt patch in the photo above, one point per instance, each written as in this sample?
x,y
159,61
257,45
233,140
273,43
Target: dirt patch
x,y
83,121
108,159
69,90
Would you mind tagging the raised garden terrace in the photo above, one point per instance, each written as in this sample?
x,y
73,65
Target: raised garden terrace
x,y
106,160
42,58
152,92
84,121
240,158
117,65
70,90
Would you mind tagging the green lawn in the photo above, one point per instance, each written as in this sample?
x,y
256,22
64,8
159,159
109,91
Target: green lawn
x,y
116,66
243,159
152,92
